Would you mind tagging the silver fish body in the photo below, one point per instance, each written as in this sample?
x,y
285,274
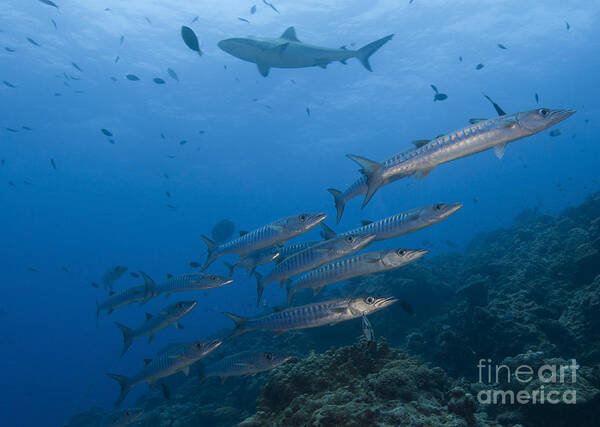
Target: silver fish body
x,y
310,315
289,250
312,257
128,296
255,259
269,235
348,268
164,364
245,363
402,223
190,282
479,136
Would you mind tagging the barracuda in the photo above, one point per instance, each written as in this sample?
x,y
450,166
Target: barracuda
x,y
311,315
312,257
128,296
164,364
269,235
245,363
481,135
356,266
400,224
287,251
189,282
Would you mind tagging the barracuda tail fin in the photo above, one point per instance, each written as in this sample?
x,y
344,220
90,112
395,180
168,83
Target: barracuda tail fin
x,y
340,203
124,384
239,324
149,286
212,252
366,51
371,170
127,340
260,287
327,232
231,268
290,291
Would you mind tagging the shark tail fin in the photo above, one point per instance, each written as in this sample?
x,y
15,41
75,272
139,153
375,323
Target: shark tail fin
x,y
260,287
371,170
212,248
239,324
126,337
327,232
124,384
291,290
340,203
366,51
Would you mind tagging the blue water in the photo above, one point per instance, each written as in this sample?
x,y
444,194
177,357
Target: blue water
x,y
256,161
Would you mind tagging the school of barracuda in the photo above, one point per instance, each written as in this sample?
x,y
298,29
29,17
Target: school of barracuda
x,y
311,264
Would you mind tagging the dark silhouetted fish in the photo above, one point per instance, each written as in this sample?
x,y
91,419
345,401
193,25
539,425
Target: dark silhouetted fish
x,y
173,74
26,127
12,130
8,84
49,3
112,141
407,307
244,20
479,66
166,176
253,10
194,20
182,142
53,164
33,42
438,96
201,132
134,274
460,59
158,81
223,231
165,390
568,26
9,49
556,132
148,20
190,39
271,5
132,77
95,285
171,206
77,67
33,270
195,264
537,99
54,23
501,46
12,184
114,79
65,269
168,194
121,40
117,59
106,132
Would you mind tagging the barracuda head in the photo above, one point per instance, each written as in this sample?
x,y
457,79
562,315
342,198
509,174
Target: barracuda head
x,y
297,224
439,211
199,349
204,281
267,360
351,243
538,120
366,305
399,257
124,418
180,309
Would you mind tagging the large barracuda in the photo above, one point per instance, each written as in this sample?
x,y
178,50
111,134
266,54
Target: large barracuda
x,y
289,250
188,282
400,224
255,259
269,235
312,257
482,134
311,315
128,296
165,363
154,323
245,363
348,268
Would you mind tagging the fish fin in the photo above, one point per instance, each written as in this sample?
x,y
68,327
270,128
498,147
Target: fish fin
x,y
231,268
149,286
290,291
473,121
239,323
422,173
506,124
290,34
276,227
150,338
322,63
498,109
366,51
277,333
365,222
369,169
260,287
263,69
127,340
418,143
280,48
212,249
147,361
111,293
110,310
186,370
327,232
243,233
169,275
148,316
317,290
339,201
499,150
123,383
178,325
435,89
282,282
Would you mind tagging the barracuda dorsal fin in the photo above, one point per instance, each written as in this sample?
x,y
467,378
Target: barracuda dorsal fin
x,y
498,109
263,69
290,34
148,316
499,150
473,121
243,233
365,222
418,143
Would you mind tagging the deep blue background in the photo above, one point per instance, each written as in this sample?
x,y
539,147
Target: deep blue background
x,y
105,204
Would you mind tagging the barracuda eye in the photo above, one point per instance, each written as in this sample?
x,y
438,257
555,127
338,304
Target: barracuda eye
x,y
179,304
401,252
369,300
213,277
543,111
349,239
438,207
302,218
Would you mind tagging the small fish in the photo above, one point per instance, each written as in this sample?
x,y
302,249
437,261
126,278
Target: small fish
x,y
117,59
158,81
190,39
132,77
106,132
121,40
501,46
475,199
271,5
407,307
65,269
9,49
148,20
112,274
26,182
555,132
112,141
26,128
12,184
165,390
8,84
54,23
95,285
173,74
438,96
162,136
195,264
114,79
201,132
308,111
245,363
170,156
244,20
53,164
253,10
33,270
165,175
568,26
537,99
460,59
194,20
171,206
49,3
367,329
77,67
12,130
134,274
168,194
479,66
33,42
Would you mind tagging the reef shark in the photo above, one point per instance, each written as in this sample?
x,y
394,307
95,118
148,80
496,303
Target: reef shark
x,y
287,51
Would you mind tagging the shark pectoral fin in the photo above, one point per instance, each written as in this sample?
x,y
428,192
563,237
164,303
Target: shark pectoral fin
x,y
322,63
186,371
263,69
278,50
422,173
499,150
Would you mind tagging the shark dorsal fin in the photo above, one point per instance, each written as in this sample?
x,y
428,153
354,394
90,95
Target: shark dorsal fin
x,y
290,34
